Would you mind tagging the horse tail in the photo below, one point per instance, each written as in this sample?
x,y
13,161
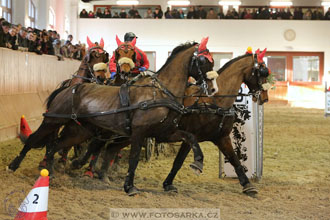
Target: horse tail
x,y
54,94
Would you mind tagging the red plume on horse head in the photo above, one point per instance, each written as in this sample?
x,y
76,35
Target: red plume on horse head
x,y
90,44
202,45
118,41
202,49
102,42
261,56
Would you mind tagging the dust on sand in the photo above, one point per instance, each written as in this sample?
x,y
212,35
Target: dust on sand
x,y
295,183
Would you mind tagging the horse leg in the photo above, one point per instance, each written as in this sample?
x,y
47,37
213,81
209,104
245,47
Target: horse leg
x,y
224,144
136,145
112,151
190,139
66,140
94,148
36,140
177,164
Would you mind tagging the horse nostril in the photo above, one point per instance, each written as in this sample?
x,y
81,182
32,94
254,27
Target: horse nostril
x,y
213,90
266,100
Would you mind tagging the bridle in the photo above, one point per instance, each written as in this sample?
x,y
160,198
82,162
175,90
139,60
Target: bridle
x,y
125,47
197,56
259,70
90,76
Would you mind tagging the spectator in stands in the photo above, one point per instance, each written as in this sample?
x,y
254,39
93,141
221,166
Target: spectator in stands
x,y
200,13
287,14
33,45
99,13
46,44
116,15
327,15
57,49
132,12
191,12
123,13
69,40
211,14
107,13
137,15
4,35
221,15
83,14
22,40
317,14
264,14
298,14
248,14
158,13
12,43
181,14
308,15
148,13
91,14
235,13
141,63
168,13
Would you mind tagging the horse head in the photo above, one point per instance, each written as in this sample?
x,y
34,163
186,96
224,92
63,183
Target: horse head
x,y
256,80
125,57
95,55
201,68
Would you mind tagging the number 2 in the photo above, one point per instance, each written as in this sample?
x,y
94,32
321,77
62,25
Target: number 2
x,y
36,200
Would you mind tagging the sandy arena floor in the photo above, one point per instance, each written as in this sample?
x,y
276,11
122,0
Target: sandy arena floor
x,y
295,184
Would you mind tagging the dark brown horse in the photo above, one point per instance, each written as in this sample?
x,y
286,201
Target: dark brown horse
x,y
154,110
95,55
211,119
217,127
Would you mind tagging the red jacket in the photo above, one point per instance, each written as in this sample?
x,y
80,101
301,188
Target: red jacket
x,y
141,61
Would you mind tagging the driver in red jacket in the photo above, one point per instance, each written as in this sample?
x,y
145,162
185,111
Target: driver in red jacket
x,y
141,64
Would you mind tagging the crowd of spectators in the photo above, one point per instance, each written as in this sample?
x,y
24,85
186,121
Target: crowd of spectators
x,y
200,13
29,39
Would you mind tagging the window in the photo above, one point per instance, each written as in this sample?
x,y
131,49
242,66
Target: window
x,y
152,60
277,64
221,59
5,11
51,21
296,67
32,14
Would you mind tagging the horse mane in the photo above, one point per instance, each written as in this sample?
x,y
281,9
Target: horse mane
x,y
53,95
177,50
231,61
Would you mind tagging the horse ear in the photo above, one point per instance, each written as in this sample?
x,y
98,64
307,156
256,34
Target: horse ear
x,y
89,42
203,43
118,41
133,42
261,55
102,42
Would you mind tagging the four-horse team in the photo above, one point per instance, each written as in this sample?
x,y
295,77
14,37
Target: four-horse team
x,y
133,104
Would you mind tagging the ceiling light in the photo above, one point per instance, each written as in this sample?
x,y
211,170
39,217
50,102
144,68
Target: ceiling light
x,y
178,2
129,2
325,3
234,3
280,3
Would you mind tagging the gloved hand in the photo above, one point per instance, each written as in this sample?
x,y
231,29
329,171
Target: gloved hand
x,y
112,76
142,69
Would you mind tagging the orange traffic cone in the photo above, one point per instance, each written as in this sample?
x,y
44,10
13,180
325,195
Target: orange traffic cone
x,y
25,130
35,205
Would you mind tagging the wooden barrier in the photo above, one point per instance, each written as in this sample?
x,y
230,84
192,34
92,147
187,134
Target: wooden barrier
x,y
26,80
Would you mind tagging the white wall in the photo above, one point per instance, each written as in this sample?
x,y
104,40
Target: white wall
x,y
225,35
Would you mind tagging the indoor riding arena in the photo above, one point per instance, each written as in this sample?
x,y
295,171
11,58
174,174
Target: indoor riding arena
x,y
198,109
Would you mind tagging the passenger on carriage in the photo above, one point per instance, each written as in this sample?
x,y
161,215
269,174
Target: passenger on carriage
x,y
141,63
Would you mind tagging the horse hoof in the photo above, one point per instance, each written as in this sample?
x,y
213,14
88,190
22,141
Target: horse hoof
x,y
133,191
13,166
170,188
75,164
197,167
42,164
89,174
9,170
106,179
250,190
